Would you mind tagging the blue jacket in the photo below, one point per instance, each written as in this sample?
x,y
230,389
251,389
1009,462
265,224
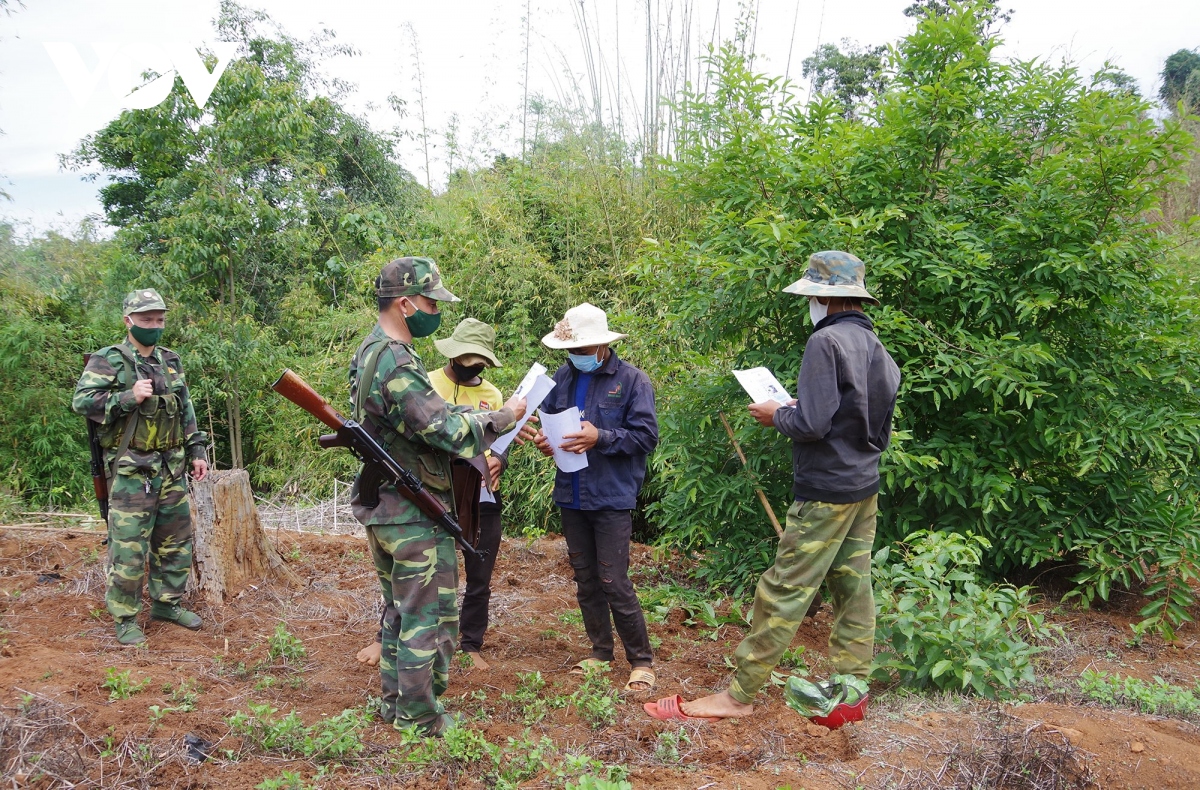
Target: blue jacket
x,y
620,403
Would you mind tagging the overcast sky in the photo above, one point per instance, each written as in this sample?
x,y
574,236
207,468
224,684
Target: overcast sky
x,y
472,59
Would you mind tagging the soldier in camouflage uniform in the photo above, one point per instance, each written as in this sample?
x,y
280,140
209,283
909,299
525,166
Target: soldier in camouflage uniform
x,y
839,424
393,399
137,394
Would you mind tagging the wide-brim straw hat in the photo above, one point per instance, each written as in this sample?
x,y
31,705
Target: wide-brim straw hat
x,y
471,336
582,326
833,273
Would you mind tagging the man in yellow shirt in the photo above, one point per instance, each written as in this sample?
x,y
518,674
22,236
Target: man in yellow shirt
x,y
470,350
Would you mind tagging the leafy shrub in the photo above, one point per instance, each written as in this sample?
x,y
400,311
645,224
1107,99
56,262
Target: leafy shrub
x,y
942,627
1157,697
590,782
1006,212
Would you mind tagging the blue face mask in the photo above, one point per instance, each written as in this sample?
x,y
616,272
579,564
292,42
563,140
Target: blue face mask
x,y
584,363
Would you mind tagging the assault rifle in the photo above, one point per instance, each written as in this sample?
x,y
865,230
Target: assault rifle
x,y
99,475
378,466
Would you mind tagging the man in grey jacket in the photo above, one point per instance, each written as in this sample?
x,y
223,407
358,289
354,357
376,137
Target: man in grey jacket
x,y
839,424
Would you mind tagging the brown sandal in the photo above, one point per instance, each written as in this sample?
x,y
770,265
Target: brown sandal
x,y
641,675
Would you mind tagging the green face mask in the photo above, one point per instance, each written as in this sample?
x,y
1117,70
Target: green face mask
x,y
421,323
147,337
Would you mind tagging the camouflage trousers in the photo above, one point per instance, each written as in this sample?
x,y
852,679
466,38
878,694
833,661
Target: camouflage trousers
x,y
821,541
418,575
147,517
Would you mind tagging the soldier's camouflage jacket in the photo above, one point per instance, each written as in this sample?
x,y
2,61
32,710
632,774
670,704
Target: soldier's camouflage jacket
x,y
399,408
166,435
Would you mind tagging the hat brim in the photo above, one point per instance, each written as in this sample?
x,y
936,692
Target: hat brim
x,y
453,349
805,287
442,295
603,338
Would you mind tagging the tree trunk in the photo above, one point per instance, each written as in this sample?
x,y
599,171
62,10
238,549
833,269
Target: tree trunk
x,y
230,548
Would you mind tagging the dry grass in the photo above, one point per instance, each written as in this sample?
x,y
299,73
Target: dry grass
x,y
1005,753
39,738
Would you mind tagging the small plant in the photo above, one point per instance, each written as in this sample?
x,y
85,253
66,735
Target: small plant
x,y
288,780
295,555
667,747
595,699
265,682
590,782
354,555
332,738
119,685
942,628
156,715
525,758
529,698
90,554
282,645
571,617
1157,697
186,696
793,658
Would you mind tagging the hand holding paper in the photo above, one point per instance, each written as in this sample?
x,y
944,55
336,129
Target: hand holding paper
x,y
555,427
761,385
534,388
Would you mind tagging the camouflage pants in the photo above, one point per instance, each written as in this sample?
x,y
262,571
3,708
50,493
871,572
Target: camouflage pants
x,y
143,520
821,541
418,574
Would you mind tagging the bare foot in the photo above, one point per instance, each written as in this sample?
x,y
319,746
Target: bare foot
x,y
477,661
369,655
721,705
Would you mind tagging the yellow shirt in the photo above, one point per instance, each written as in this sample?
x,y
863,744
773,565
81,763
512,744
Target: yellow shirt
x,y
484,395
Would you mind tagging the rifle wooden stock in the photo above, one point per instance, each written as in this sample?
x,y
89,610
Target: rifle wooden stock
x,y
378,465
99,474
298,392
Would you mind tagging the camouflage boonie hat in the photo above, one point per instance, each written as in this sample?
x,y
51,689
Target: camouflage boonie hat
x,y
833,273
143,301
412,276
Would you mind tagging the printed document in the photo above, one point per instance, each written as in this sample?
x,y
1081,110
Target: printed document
x,y
555,426
762,385
534,388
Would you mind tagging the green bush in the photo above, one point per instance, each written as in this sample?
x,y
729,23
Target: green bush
x,y
940,627
330,738
1157,697
1006,212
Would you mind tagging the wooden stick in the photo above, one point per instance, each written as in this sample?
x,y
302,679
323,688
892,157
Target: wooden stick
x,y
39,527
53,514
761,496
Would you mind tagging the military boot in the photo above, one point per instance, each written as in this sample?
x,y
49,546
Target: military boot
x,y
129,634
174,613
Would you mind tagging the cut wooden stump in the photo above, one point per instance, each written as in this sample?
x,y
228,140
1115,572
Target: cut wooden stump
x,y
230,548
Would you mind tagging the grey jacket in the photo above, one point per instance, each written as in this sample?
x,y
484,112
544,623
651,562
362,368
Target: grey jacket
x,y
842,420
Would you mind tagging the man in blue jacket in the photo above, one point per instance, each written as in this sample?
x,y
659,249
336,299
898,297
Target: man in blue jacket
x,y
619,429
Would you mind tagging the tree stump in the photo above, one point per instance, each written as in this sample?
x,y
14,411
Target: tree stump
x,y
230,548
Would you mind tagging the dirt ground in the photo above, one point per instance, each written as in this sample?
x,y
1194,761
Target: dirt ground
x,y
58,727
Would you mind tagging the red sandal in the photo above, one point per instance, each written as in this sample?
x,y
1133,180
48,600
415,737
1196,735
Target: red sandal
x,y
671,709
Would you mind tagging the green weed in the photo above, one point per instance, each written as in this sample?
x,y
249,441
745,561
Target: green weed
x,y
288,780
595,699
1157,697
332,738
667,747
119,685
282,645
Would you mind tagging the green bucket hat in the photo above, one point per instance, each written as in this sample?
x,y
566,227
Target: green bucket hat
x,y
412,276
142,301
833,273
471,336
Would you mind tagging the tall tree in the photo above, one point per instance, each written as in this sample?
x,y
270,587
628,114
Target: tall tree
x,y
1181,80
232,204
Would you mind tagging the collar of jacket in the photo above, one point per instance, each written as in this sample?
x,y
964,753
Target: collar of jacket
x,y
851,316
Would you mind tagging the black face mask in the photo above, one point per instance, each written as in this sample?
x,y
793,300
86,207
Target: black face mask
x,y
466,373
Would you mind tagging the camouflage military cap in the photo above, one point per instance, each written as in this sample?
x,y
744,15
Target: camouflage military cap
x,y
143,301
833,273
412,276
